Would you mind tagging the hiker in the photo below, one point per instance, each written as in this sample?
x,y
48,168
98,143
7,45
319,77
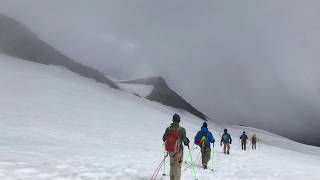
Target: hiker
x,y
226,140
254,141
173,137
203,138
244,138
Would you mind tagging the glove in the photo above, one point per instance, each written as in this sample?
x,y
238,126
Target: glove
x,y
186,142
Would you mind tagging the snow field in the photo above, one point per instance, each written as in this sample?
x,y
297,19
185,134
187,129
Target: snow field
x,y
56,125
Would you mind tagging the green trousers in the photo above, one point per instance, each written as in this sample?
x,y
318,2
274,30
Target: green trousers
x,y
206,155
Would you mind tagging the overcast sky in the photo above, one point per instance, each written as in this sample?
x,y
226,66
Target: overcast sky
x,y
237,61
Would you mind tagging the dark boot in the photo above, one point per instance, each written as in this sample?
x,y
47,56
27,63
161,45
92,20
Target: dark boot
x,y
205,166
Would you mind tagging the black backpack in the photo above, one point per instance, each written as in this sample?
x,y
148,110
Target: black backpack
x,y
225,138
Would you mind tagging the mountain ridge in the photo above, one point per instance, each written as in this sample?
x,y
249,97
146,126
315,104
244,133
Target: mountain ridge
x,y
18,41
164,94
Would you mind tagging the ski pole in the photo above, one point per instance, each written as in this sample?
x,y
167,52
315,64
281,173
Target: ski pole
x,y
212,156
193,166
156,172
193,148
188,166
197,159
164,164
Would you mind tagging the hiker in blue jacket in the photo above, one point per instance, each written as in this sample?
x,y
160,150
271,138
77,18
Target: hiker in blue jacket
x,y
203,139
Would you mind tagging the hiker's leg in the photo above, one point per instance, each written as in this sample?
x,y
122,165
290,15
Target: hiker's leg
x,y
228,148
245,145
172,167
203,155
178,167
175,167
208,155
224,148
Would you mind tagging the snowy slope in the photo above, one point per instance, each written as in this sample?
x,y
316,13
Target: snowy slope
x,y
276,140
141,90
57,125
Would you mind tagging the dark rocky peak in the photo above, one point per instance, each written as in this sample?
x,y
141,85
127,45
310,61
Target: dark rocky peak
x,y
163,94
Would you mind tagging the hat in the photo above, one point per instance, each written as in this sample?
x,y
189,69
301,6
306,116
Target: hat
x,y
176,118
205,125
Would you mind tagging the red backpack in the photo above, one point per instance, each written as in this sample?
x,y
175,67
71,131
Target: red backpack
x,y
172,142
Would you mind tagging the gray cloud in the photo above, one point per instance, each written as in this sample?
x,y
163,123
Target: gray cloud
x,y
248,62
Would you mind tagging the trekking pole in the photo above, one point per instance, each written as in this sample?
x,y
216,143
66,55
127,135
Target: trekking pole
x,y
196,160
164,163
192,147
212,157
193,166
156,172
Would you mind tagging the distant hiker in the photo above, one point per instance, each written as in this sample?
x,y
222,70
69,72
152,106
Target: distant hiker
x,y
244,138
226,140
254,141
203,139
174,136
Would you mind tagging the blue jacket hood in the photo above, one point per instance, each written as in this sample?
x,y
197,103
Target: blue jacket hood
x,y
203,129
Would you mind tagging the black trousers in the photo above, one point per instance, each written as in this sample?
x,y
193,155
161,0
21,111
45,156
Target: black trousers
x,y
243,145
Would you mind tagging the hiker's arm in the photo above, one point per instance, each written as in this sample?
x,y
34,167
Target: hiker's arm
x,y
197,137
164,138
230,139
183,136
212,140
